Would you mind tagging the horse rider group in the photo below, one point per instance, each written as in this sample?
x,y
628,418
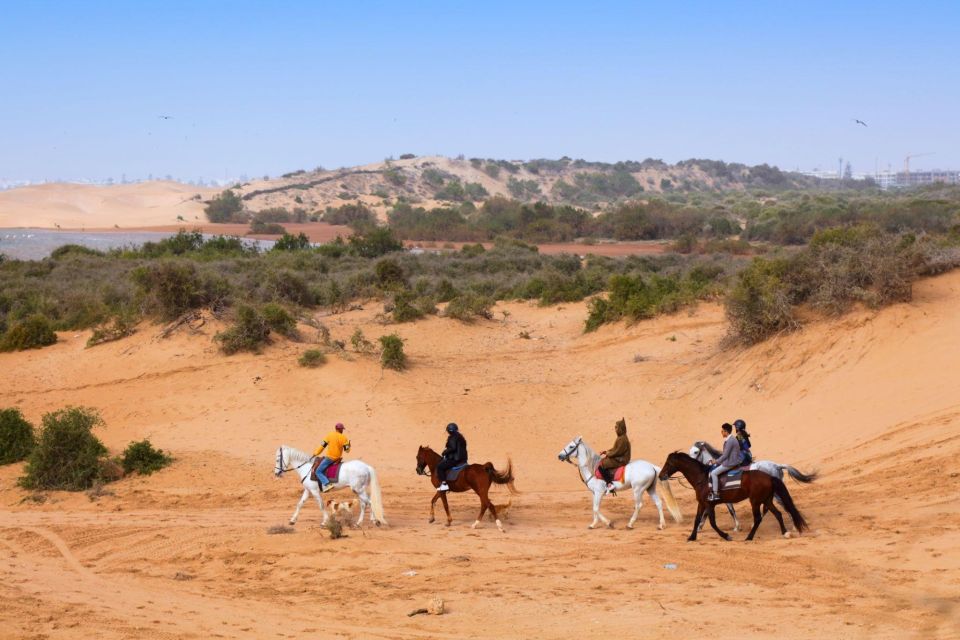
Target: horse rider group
x,y
736,453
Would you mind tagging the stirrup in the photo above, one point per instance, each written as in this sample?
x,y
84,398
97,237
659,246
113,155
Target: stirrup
x,y
713,497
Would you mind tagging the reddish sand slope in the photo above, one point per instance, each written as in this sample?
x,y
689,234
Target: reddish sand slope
x,y
869,399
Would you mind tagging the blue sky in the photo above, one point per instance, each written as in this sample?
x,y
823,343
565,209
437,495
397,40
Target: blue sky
x,y
264,88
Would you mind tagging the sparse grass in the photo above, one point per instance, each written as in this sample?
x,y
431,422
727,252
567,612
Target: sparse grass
x,y
334,527
312,358
280,529
360,342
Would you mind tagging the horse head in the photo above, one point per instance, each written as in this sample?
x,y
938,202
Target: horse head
x,y
570,449
423,460
696,450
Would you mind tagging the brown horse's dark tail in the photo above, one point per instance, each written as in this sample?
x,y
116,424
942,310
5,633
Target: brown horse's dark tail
x,y
502,477
780,490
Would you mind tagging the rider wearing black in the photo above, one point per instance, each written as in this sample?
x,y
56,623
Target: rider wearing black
x,y
744,439
454,454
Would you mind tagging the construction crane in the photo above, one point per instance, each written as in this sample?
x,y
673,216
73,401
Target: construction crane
x,y
906,163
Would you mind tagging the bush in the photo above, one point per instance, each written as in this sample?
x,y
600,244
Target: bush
x,y
360,342
287,242
16,436
468,306
405,308
260,227
392,355
390,274
32,333
759,305
374,243
279,320
67,455
143,458
248,333
312,358
226,207
167,289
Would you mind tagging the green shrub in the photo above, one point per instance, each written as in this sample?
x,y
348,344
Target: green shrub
x,y
360,342
374,243
16,436
405,308
226,207
259,227
32,333
759,305
390,274
169,288
287,242
279,319
143,458
68,250
312,358
248,333
121,327
472,250
469,306
392,355
67,455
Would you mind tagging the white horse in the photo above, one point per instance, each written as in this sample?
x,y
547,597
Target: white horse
x,y
639,475
704,452
356,474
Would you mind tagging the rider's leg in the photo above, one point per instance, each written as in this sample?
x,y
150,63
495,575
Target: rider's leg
x,y
322,471
715,481
442,469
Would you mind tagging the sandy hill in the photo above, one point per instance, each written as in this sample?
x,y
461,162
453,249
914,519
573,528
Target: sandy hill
x,y
869,399
431,181
77,206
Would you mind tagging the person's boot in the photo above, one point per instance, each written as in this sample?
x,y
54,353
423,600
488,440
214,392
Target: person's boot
x,y
443,487
326,487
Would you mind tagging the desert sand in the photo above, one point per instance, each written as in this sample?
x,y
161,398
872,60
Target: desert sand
x,y
868,399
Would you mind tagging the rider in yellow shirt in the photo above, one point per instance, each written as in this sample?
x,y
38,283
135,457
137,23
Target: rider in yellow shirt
x,y
336,444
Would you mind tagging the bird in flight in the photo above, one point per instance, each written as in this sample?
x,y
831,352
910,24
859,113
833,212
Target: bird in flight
x,y
165,117
860,122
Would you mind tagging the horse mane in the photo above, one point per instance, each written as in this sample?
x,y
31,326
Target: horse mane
x,y
294,456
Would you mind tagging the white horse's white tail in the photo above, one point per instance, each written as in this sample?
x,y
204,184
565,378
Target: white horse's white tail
x,y
376,498
663,488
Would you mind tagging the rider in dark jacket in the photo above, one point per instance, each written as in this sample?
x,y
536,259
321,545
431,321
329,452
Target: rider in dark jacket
x,y
454,454
744,438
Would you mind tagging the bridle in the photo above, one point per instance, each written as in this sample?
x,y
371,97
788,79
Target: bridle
x,y
280,466
565,456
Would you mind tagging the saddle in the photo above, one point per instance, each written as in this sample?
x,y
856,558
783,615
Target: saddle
x,y
332,472
731,479
454,472
617,474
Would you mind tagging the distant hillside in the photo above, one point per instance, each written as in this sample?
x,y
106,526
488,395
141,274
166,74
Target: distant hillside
x,y
433,180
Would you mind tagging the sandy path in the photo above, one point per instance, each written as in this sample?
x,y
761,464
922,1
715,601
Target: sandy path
x,y
868,399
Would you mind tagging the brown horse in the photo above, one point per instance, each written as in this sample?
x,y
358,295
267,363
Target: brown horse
x,y
759,487
478,477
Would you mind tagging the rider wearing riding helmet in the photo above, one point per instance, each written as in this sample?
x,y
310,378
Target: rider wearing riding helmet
x,y
744,439
454,454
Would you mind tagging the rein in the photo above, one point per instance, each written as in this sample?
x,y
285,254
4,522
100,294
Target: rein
x,y
283,470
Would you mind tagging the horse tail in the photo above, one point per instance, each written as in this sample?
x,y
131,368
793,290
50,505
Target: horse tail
x,y
376,498
667,492
805,478
502,477
780,490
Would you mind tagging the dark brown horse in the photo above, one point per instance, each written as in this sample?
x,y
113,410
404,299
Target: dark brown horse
x,y
478,477
759,487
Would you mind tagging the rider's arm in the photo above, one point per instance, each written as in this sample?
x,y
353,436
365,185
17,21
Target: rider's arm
x,y
320,449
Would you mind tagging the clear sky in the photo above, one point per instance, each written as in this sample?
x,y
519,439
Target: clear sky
x,y
268,87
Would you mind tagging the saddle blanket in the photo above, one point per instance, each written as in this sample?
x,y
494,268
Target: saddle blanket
x,y
332,472
617,475
454,472
731,479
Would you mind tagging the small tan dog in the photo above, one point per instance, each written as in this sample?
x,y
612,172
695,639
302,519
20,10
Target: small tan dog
x,y
502,510
341,508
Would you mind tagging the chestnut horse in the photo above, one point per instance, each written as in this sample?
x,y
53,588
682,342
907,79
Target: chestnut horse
x,y
758,486
478,477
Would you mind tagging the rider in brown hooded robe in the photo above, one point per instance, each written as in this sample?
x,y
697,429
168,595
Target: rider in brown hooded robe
x,y
616,456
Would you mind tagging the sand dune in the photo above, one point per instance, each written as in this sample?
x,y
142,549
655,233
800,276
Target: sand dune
x,y
869,399
77,206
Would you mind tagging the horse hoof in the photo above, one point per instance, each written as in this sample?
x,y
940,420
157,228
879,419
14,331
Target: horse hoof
x,y
377,522
787,535
610,525
691,539
630,526
591,526
431,520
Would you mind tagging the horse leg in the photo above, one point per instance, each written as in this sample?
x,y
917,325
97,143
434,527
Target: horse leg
x,y
483,506
486,503
697,523
296,512
364,501
776,514
637,505
651,490
597,516
757,518
432,503
446,507
733,514
712,514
